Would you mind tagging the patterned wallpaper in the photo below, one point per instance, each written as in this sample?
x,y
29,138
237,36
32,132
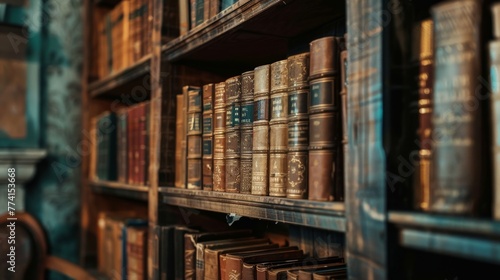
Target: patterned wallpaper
x,y
54,195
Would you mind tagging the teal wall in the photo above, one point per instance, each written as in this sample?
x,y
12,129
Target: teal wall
x,y
54,194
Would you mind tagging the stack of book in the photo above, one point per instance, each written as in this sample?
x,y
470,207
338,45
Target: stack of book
x,y
120,145
122,245
187,253
124,36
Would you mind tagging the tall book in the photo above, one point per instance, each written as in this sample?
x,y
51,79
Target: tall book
x,y
106,147
233,134
180,143
208,137
136,253
246,130
457,138
194,137
219,173
494,58
423,54
183,17
122,145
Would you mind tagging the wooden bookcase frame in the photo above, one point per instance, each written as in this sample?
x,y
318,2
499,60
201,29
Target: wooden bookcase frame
x,y
372,230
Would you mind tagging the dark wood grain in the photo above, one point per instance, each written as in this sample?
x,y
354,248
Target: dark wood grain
x,y
325,215
121,190
240,37
122,81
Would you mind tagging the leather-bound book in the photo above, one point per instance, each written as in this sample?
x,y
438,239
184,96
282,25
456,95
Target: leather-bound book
x,y
234,262
324,131
456,163
179,250
322,174
201,246
208,114
180,143
284,265
122,145
247,110
494,59
298,71
191,239
423,55
338,270
212,260
323,57
293,272
297,178
219,165
194,137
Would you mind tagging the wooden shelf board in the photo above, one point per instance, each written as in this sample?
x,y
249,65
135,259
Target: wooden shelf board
x,y
121,82
471,238
323,215
121,189
242,34
435,222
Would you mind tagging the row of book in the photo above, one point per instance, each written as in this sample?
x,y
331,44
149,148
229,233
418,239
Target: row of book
x,y
276,130
122,245
194,12
187,253
124,35
120,145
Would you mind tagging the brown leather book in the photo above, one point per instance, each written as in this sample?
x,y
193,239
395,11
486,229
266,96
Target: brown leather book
x,y
282,272
264,268
324,131
335,269
223,258
322,174
207,162
494,58
246,173
136,252
201,246
423,53
279,76
234,262
457,169
297,178
212,254
323,57
278,172
191,239
261,80
180,143
260,173
298,71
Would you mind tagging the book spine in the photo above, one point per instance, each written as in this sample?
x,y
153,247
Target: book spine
x,y
260,144
424,55
323,58
233,268
180,157
200,261
183,17
324,122
457,134
494,53
247,118
297,174
278,142
248,272
208,115
233,134
219,167
194,138
322,174
214,7
189,257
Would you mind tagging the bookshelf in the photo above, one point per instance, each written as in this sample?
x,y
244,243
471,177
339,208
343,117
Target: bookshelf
x,y
384,238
